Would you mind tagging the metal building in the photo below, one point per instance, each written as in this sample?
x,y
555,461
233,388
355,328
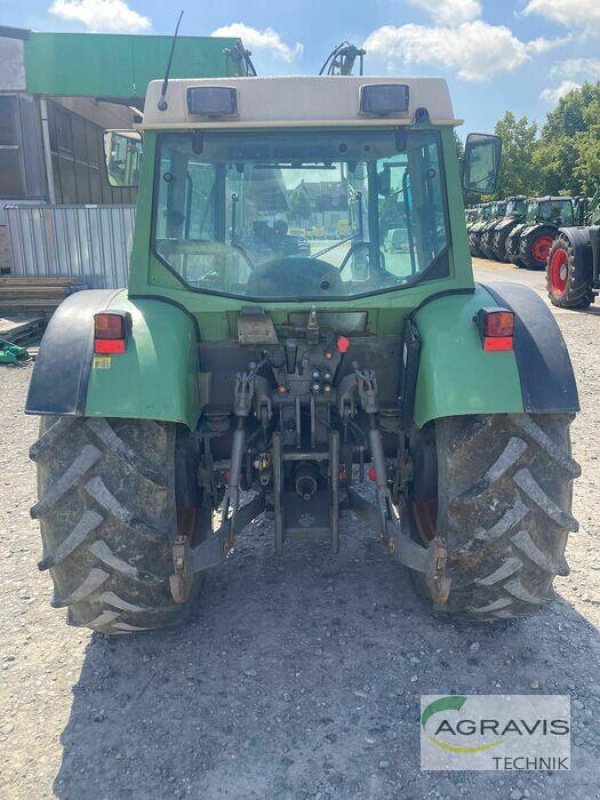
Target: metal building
x,y
60,91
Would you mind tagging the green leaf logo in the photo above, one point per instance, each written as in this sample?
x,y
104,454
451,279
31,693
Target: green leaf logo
x,y
451,703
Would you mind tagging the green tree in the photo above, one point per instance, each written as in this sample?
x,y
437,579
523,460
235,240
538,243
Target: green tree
x,y
517,174
567,158
300,206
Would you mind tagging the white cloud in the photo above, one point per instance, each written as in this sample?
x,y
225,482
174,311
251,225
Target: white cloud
x,y
585,68
450,12
552,96
107,16
583,14
476,50
267,39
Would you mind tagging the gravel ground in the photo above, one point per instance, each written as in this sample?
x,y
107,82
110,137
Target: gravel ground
x,y
298,677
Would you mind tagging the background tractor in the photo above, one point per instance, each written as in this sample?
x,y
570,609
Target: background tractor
x,y
545,215
484,214
470,217
487,236
573,268
247,370
516,209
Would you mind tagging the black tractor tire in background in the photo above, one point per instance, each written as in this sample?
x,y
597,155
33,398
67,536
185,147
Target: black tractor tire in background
x,y
501,502
474,238
512,249
535,246
486,243
108,515
569,275
499,244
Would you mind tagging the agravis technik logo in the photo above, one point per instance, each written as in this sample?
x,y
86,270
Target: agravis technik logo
x,y
495,732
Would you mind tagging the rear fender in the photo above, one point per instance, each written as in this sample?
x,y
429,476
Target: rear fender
x,y
156,378
457,377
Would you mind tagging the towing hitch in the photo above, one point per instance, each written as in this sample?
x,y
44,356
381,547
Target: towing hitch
x,y
297,430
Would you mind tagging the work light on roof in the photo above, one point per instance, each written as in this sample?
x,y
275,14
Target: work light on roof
x,y
212,101
384,99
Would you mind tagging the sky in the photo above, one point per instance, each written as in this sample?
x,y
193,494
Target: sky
x,y
520,55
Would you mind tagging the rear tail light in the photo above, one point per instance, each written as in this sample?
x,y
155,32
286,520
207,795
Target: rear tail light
x,y
496,328
110,331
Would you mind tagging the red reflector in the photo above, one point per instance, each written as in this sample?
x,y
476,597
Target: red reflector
x,y
109,345
497,343
110,331
496,328
498,323
372,474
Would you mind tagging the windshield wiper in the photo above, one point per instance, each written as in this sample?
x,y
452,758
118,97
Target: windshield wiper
x,y
337,244
359,233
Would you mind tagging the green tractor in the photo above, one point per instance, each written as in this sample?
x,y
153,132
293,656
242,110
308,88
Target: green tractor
x,y
516,208
573,268
529,243
240,375
484,215
487,235
470,217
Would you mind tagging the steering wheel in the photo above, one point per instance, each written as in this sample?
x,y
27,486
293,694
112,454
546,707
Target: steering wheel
x,y
294,276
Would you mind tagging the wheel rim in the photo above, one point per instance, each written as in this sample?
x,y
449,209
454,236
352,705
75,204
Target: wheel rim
x,y
541,248
559,272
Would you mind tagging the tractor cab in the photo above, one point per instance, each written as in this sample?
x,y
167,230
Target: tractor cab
x,y
556,211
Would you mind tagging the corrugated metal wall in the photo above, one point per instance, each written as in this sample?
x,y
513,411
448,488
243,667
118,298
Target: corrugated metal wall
x,y
90,243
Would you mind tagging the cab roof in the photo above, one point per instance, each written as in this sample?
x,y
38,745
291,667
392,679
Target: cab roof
x,y
297,101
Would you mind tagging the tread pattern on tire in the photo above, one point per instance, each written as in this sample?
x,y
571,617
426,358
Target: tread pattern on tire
x,y
107,513
499,243
506,533
579,292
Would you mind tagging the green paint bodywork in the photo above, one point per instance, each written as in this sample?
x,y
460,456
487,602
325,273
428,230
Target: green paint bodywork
x,y
158,378
456,376
117,65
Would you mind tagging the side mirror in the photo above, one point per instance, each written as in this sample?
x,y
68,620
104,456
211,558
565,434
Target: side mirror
x,y
123,156
482,163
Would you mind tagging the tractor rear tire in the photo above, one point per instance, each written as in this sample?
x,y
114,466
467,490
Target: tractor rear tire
x,y
502,505
486,244
535,247
108,515
568,278
499,244
512,250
